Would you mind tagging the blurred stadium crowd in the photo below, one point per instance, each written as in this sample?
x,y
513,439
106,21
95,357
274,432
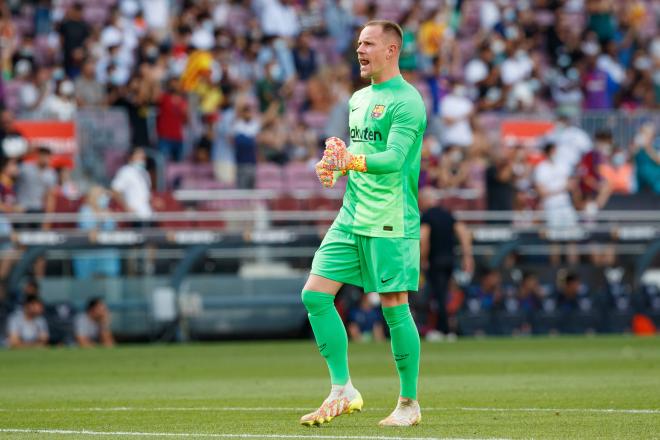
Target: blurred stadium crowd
x,y
240,94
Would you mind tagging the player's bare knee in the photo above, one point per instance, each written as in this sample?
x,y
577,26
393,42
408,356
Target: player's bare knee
x,y
392,299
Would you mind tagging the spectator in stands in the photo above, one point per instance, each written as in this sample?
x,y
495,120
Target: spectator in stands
x,y
554,186
618,172
27,327
456,110
89,91
73,31
304,57
438,235
132,187
95,216
500,180
92,328
570,292
597,84
247,125
171,121
8,205
489,290
35,180
593,192
453,172
34,90
365,322
60,106
530,299
647,159
572,142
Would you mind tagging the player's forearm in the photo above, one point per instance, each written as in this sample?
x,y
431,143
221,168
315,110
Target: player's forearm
x,y
388,161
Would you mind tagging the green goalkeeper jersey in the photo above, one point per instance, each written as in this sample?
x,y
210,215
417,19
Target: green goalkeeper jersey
x,y
387,123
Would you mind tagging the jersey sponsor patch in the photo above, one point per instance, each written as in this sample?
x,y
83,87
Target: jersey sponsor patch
x,y
378,111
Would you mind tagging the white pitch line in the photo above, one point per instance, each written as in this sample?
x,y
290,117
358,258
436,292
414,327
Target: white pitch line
x,y
213,435
285,409
591,410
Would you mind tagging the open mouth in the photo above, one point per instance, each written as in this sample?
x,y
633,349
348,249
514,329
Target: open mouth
x,y
363,62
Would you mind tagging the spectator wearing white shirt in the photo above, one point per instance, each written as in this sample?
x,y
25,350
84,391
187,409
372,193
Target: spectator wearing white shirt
x,y
554,186
572,143
62,105
278,18
92,328
132,186
27,327
456,110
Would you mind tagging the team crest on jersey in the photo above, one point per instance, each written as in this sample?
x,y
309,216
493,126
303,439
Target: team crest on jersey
x,y
378,111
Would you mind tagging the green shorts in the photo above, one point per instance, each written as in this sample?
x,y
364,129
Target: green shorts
x,y
374,263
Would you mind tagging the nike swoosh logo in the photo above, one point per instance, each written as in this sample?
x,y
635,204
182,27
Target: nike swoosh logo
x,y
384,281
353,109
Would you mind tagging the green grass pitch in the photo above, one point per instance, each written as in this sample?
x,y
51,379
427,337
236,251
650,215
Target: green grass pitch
x,y
545,388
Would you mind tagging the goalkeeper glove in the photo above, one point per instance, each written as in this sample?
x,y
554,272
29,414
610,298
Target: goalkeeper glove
x,y
326,175
337,157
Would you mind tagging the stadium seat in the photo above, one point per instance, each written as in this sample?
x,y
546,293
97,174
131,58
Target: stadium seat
x,y
298,175
270,176
165,202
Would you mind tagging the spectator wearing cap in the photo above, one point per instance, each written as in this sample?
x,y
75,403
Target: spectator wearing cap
x,y
27,327
92,327
35,180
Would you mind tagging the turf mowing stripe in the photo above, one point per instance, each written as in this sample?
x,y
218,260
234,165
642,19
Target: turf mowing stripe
x,y
211,435
259,409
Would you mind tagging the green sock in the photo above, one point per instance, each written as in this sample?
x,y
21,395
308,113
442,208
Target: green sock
x,y
329,332
405,347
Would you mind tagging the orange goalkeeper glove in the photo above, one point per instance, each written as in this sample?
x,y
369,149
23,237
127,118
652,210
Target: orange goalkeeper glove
x,y
337,157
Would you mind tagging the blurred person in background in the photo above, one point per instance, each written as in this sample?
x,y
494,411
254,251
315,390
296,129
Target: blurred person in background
x,y
593,191
60,106
452,172
171,121
618,172
34,89
95,216
365,322
570,292
489,291
92,327
35,180
132,187
304,57
73,31
571,142
8,205
27,327
456,110
438,236
500,182
647,159
555,187
530,299
89,91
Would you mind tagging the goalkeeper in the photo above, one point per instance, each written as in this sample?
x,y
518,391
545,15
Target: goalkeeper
x,y
374,241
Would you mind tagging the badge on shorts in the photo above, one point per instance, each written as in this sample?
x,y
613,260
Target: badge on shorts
x,y
378,111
